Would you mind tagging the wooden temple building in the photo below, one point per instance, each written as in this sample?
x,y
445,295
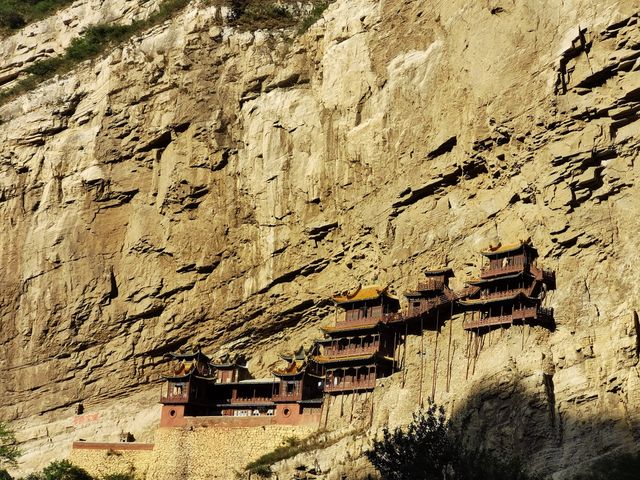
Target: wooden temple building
x,y
300,386
432,301
509,291
363,345
358,349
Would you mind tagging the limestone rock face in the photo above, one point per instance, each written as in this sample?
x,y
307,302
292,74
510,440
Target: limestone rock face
x,y
206,185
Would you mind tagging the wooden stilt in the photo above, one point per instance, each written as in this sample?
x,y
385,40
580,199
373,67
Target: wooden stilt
x,y
322,411
371,415
404,354
421,360
468,353
435,358
449,350
326,419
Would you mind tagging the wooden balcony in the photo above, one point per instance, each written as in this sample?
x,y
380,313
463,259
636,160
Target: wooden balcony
x,y
521,315
507,293
250,400
350,386
431,285
288,396
351,350
427,306
489,272
360,322
176,398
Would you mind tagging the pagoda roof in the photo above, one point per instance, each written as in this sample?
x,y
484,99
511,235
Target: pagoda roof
x,y
512,247
486,301
440,271
362,294
482,281
293,369
196,354
300,354
177,377
227,361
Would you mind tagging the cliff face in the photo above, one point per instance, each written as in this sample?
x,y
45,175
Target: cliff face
x,y
203,184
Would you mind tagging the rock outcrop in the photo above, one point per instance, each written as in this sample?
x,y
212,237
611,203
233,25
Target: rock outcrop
x,y
205,184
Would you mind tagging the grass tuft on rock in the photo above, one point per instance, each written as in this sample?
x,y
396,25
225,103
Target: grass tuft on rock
x,y
93,42
15,14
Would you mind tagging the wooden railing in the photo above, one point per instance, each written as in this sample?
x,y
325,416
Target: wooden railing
x,y
431,285
506,293
288,396
488,272
244,400
533,313
427,305
351,350
175,398
525,313
360,322
350,386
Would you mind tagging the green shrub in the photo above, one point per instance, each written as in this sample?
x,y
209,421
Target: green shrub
x,y
424,450
430,449
292,447
624,466
9,451
64,470
17,13
4,475
312,17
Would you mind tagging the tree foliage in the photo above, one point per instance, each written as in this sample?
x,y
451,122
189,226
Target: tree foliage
x,y
64,470
429,448
9,451
423,451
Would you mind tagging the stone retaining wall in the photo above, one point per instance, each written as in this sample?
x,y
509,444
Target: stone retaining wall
x,y
100,459
206,453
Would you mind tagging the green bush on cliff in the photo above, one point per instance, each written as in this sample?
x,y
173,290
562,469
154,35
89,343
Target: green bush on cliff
x,y
429,448
17,13
625,466
93,42
9,451
4,475
64,470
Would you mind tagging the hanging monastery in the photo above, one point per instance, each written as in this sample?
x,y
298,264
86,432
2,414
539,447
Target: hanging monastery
x,y
364,344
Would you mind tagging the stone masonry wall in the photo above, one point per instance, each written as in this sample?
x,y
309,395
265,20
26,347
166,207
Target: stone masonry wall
x,y
214,453
104,461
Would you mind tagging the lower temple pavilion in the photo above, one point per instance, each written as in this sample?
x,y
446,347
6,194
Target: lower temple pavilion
x,y
359,348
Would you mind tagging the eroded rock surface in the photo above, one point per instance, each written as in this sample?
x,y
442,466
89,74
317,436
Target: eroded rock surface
x,y
207,185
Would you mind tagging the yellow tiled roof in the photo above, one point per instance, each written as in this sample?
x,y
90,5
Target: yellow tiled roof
x,y
369,292
504,248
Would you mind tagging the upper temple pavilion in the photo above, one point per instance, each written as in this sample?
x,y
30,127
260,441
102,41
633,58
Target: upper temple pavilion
x,y
510,290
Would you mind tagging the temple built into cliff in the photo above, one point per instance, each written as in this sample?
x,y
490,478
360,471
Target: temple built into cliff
x,y
362,346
